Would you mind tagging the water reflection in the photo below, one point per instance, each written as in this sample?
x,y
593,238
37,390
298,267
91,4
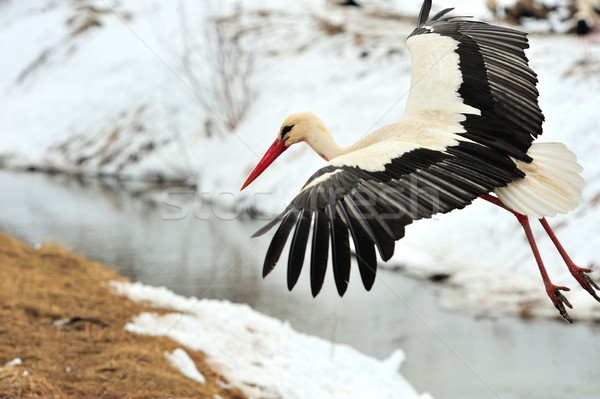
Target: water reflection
x,y
450,354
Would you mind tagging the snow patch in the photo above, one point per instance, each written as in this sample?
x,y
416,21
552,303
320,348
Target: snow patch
x,y
265,356
15,362
184,363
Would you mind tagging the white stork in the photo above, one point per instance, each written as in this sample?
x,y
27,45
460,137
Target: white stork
x,y
587,16
344,3
467,130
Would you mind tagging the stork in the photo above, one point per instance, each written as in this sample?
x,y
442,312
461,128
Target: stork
x,y
587,21
344,3
587,16
467,130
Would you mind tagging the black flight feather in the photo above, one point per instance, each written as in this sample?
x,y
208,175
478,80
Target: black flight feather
x,y
278,242
319,253
384,239
340,250
298,248
424,14
441,14
364,247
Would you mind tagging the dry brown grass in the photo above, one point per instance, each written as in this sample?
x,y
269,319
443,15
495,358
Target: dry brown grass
x,y
91,358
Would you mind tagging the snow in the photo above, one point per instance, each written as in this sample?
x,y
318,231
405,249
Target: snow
x,y
262,355
184,363
116,99
15,362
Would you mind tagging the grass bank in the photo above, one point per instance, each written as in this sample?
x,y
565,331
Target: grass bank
x,y
59,317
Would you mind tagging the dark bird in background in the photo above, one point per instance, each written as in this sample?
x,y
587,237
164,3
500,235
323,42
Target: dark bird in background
x,y
587,21
587,16
467,132
345,3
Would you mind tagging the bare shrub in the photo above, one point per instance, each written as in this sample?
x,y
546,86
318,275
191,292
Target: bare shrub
x,y
225,49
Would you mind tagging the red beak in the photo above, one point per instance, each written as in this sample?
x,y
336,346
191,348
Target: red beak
x,y
276,149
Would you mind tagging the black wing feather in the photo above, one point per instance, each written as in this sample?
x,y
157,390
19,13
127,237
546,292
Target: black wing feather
x,y
364,247
424,14
384,239
278,242
318,256
441,14
340,250
298,248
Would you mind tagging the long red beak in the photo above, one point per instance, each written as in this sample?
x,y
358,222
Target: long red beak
x,y
276,149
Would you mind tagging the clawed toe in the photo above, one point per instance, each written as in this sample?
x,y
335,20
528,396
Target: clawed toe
x,y
585,280
560,300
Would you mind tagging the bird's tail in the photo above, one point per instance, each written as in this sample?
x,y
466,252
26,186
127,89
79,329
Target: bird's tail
x,y
552,185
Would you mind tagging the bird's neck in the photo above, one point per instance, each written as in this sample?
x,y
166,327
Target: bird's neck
x,y
323,144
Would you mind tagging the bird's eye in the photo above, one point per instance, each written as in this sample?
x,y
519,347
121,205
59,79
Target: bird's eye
x,y
286,130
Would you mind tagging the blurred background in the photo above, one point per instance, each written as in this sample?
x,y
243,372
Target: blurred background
x,y
127,128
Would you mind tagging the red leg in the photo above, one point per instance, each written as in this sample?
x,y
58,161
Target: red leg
x,y
578,272
496,201
553,291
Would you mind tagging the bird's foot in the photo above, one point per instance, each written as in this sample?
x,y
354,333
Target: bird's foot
x,y
580,274
559,300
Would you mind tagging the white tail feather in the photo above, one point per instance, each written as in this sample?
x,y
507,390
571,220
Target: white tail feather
x,y
552,185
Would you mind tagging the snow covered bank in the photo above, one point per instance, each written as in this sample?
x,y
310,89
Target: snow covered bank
x,y
264,356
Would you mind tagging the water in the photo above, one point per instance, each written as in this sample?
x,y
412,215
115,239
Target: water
x,y
449,354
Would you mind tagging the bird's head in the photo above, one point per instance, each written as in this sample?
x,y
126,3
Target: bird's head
x,y
296,128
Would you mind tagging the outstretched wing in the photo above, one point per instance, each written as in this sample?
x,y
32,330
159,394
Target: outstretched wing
x,y
373,200
480,71
470,73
